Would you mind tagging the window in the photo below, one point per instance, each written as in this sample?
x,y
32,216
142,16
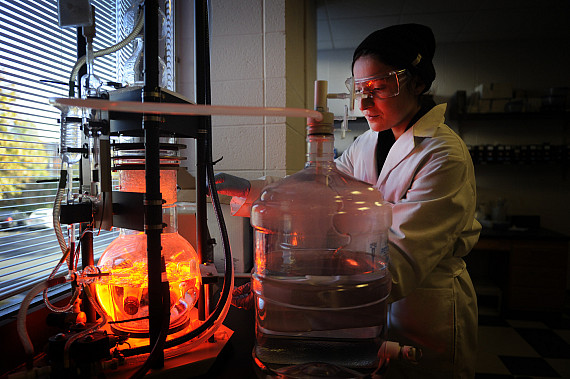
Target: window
x,y
36,59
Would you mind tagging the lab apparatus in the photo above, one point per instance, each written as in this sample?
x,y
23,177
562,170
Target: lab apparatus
x,y
321,276
124,295
147,299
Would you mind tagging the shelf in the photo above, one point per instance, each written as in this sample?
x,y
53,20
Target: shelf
x,y
553,115
520,154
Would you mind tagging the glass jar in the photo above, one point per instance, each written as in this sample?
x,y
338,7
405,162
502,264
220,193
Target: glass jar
x,y
321,275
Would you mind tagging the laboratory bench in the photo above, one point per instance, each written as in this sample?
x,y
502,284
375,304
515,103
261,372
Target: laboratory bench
x,y
515,271
519,270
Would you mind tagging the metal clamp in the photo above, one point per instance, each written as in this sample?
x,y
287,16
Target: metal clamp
x,y
155,227
156,95
153,117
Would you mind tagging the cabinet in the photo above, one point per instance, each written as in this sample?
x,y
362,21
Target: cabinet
x,y
523,272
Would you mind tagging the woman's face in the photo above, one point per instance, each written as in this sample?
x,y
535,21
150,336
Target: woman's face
x,y
391,113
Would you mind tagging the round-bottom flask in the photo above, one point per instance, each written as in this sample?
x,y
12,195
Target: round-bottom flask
x,y
321,275
124,294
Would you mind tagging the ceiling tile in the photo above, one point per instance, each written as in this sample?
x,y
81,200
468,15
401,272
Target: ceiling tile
x,y
444,25
346,30
516,4
451,20
323,31
324,45
553,23
321,10
339,9
497,20
436,6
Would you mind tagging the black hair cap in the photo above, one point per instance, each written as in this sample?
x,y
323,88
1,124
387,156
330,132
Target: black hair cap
x,y
405,46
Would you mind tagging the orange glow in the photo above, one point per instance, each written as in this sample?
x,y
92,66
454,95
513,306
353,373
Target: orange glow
x,y
351,262
124,294
293,239
134,181
259,363
259,257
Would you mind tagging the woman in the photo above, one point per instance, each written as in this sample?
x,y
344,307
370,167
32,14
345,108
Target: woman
x,y
424,169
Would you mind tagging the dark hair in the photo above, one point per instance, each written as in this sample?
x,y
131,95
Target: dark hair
x,y
405,46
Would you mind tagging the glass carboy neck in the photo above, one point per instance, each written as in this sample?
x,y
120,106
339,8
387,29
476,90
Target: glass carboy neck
x,y
320,150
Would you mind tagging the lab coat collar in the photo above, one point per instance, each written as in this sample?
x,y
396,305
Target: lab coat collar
x,y
429,123
425,127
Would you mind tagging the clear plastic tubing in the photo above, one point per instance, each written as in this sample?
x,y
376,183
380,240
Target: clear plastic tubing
x,y
183,109
321,275
70,136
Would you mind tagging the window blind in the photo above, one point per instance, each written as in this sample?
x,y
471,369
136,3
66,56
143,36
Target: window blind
x,y
36,59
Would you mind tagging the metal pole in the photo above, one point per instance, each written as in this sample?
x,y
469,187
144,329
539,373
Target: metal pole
x,y
202,80
153,196
86,240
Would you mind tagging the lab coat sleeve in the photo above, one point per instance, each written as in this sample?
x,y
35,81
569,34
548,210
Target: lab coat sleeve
x,y
241,206
435,215
359,159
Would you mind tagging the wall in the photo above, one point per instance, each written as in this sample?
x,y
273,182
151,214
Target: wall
x,y
263,54
529,65
268,60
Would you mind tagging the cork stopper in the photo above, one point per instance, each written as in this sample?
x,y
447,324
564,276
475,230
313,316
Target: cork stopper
x,y
326,126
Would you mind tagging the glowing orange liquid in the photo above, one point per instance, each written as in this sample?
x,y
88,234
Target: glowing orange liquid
x,y
124,294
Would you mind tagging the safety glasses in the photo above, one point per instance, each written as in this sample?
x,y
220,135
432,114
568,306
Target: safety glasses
x,y
381,87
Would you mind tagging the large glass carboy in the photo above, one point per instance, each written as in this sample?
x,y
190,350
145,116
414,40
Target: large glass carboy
x,y
321,265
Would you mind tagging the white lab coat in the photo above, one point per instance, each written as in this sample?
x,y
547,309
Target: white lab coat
x,y
429,178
